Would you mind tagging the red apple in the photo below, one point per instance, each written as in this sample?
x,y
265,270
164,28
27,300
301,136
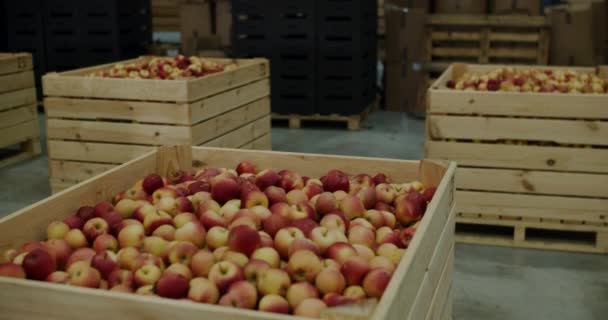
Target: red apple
x,y
152,183
335,180
86,212
105,242
274,223
311,308
244,239
224,190
267,178
290,180
81,254
225,273
121,277
105,262
246,167
304,265
354,269
12,270
201,262
83,275
74,221
306,225
273,303
172,286
375,282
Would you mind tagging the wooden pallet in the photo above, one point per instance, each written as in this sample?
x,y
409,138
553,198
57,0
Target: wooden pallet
x,y
353,122
96,123
534,160
165,15
488,39
19,131
419,288
548,234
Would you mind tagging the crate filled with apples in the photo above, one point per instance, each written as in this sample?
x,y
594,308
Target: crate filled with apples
x,y
298,240
103,116
535,131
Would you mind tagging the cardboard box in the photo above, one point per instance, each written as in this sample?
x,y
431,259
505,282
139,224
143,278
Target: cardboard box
x,y
570,26
461,6
529,7
405,34
223,21
195,23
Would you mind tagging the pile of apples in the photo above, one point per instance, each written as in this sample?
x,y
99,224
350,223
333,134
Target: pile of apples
x,y
165,68
531,80
272,241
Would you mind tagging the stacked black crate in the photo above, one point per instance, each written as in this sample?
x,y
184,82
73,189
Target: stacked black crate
x,y
252,26
346,67
82,33
22,30
293,60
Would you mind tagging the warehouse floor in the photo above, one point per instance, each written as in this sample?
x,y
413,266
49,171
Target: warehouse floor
x,y
490,283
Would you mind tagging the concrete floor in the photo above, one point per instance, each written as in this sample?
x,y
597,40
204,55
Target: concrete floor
x,y
489,283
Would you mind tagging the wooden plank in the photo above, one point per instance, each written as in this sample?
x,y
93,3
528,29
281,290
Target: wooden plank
x,y
94,152
532,206
16,98
455,36
19,133
242,136
447,313
17,81
229,100
15,116
220,125
524,21
456,52
15,62
490,128
248,71
28,149
407,277
533,182
553,105
514,37
78,171
102,131
92,109
443,294
519,156
520,53
442,258
76,84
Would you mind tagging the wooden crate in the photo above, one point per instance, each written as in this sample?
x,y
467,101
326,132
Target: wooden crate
x,y
420,288
487,39
96,123
19,130
533,167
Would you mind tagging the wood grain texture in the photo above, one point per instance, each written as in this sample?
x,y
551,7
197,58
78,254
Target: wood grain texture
x,y
19,133
15,62
95,152
242,136
17,81
533,206
18,115
533,182
519,156
76,171
490,128
17,98
102,131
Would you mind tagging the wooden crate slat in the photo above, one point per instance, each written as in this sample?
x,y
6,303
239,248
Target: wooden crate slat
x,y
442,297
407,279
490,128
97,152
243,135
15,62
229,121
229,100
15,116
514,37
16,98
456,52
533,182
76,83
439,262
524,21
149,112
520,156
248,71
16,81
146,134
532,206
455,36
575,106
523,53
76,171
19,133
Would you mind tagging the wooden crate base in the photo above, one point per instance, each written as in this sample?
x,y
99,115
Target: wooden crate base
x,y
26,150
353,122
531,233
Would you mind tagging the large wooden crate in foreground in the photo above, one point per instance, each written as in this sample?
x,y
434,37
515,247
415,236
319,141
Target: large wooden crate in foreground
x,y
420,287
533,167
96,123
18,111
